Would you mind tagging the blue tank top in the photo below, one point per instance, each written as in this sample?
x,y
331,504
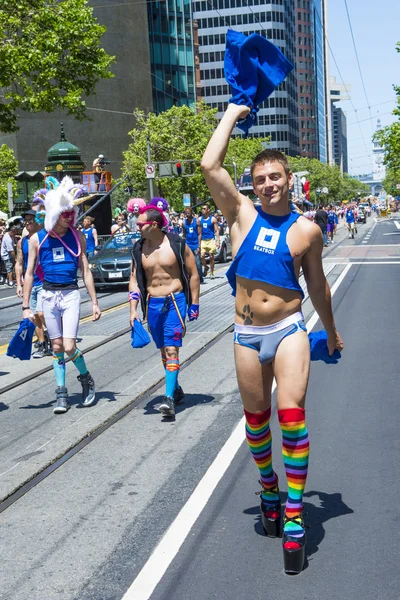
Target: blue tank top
x,y
59,265
349,216
90,243
25,253
207,228
264,254
191,235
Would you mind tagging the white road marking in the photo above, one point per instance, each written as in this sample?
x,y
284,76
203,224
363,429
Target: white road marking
x,y
392,232
397,224
163,555
15,297
381,262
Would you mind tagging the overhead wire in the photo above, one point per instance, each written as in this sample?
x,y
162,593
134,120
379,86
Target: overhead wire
x,y
358,61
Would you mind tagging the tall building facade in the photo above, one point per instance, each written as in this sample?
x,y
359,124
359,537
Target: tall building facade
x,y
171,53
338,135
275,20
311,78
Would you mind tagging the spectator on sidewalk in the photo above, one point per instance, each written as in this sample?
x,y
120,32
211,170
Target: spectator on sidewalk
x,y
8,254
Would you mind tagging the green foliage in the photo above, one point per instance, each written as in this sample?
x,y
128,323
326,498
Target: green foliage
x,y
321,175
8,170
178,135
50,57
391,180
389,139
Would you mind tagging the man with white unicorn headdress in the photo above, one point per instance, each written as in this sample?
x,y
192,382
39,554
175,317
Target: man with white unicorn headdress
x,y
55,254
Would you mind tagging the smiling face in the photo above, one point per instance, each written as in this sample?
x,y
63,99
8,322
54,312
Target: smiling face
x,y
67,218
271,184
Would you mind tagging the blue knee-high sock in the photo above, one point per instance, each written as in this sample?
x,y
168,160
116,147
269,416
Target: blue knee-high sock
x,y
79,362
164,362
59,368
171,376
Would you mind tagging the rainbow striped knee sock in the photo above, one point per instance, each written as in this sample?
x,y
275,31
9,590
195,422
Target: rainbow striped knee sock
x,y
295,451
258,435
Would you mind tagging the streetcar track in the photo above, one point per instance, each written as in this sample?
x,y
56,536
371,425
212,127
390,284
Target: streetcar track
x,y
94,346
90,437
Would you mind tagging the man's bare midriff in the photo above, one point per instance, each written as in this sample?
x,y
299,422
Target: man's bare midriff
x,y
260,304
163,275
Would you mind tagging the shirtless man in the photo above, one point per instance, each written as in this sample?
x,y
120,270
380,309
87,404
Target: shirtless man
x,y
270,244
164,278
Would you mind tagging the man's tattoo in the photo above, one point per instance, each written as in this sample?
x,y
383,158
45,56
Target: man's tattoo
x,y
247,315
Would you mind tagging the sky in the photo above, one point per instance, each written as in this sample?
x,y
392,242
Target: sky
x,y
376,32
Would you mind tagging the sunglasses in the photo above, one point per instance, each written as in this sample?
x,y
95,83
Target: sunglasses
x,y
140,225
68,214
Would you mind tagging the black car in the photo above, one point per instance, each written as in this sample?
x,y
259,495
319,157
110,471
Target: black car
x,y
111,266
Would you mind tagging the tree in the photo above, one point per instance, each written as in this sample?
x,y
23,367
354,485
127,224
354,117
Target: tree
x,y
321,175
179,134
8,171
389,137
50,57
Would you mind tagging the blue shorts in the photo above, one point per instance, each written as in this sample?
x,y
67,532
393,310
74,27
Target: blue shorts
x,y
265,340
36,300
166,328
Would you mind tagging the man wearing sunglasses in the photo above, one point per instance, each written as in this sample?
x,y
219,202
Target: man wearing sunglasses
x,y
165,280
57,251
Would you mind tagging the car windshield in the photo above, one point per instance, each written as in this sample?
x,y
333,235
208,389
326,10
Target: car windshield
x,y
125,240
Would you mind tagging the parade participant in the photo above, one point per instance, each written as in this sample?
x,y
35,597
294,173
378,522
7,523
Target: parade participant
x,y
191,234
350,221
35,300
330,228
164,278
209,238
133,206
59,250
270,244
90,233
321,219
122,227
163,205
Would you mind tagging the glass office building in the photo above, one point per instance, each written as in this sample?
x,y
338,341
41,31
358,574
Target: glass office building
x,y
278,116
311,78
171,53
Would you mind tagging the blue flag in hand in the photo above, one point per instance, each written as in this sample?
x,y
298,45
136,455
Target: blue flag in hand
x,y
254,67
21,344
319,348
139,335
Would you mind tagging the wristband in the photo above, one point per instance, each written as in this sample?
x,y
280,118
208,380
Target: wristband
x,y
133,296
25,308
194,312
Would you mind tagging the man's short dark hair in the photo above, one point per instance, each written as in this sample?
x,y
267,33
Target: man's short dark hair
x,y
270,156
154,215
206,204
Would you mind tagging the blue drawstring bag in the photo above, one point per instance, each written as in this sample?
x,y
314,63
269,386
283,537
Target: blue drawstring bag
x,y
139,335
319,348
21,343
254,68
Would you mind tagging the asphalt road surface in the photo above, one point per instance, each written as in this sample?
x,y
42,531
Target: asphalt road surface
x,y
168,511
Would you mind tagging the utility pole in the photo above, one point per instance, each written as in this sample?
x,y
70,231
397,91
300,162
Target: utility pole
x,y
151,183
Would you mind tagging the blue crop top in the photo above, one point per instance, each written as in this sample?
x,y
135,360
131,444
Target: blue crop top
x,y
264,254
59,265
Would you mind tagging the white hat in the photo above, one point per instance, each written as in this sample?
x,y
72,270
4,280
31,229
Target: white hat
x,y
59,200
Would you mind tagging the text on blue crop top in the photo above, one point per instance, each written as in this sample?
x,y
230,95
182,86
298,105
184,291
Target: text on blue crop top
x,y
264,254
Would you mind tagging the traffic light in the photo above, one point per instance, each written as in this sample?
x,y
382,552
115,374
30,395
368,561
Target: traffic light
x,y
178,169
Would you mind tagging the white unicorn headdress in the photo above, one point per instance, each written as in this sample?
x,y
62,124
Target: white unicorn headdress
x,y
60,199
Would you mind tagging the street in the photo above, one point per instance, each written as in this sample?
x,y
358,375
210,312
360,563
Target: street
x,y
151,508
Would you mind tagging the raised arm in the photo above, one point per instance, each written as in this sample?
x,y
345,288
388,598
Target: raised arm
x,y
220,184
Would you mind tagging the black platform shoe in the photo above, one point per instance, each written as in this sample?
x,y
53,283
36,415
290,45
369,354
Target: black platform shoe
x,y
294,548
271,513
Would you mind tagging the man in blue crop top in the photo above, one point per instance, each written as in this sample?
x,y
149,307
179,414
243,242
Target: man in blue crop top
x,y
270,244
57,251
209,238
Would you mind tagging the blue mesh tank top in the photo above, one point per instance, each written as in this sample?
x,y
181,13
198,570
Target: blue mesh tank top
x,y
25,254
264,254
207,228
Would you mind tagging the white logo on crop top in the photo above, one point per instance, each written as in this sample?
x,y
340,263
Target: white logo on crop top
x,y
267,240
58,254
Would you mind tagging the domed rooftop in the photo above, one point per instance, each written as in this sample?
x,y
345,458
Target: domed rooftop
x,y
63,149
